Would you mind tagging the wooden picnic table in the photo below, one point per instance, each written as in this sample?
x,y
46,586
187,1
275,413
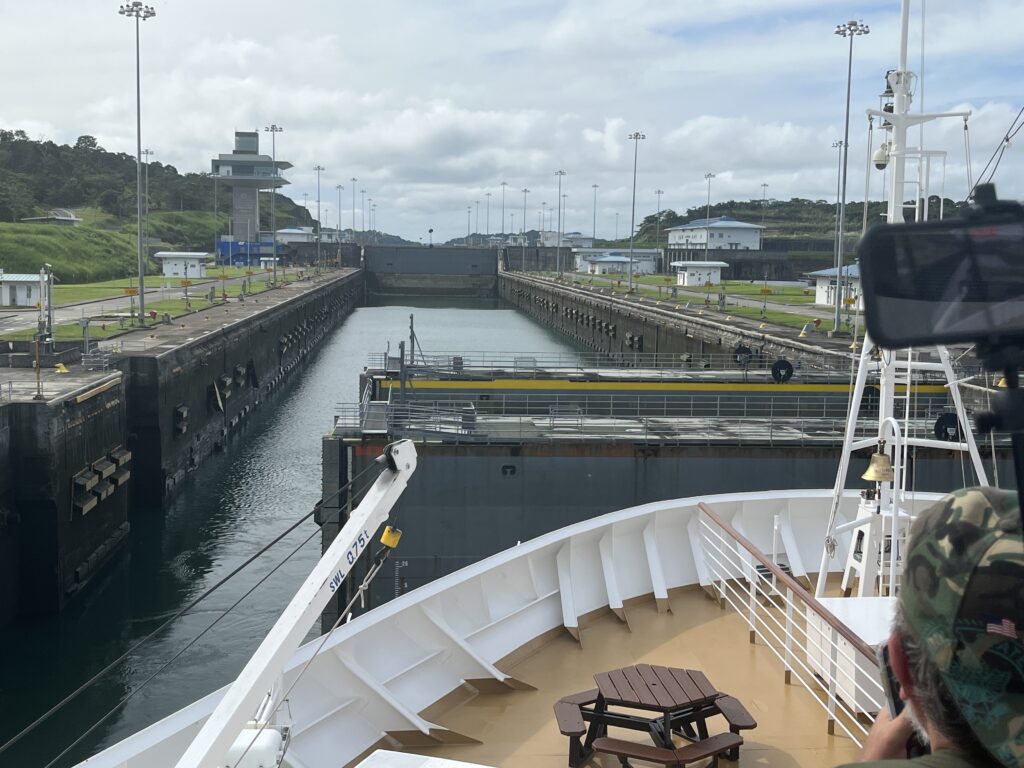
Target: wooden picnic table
x,y
680,697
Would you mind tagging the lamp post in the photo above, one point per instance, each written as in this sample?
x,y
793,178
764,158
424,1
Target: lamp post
x,y
273,130
636,137
543,217
362,210
616,226
354,180
469,211
657,225
488,225
558,242
707,216
764,201
319,226
136,10
339,187
512,224
525,193
503,185
850,29
837,264
146,153
593,231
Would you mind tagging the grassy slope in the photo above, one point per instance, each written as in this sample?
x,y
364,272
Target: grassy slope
x,y
78,254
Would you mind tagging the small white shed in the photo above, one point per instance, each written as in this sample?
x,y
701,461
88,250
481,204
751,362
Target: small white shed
x,y
825,286
183,263
19,290
696,274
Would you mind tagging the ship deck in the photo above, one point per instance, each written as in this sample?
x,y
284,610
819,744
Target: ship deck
x,y
517,727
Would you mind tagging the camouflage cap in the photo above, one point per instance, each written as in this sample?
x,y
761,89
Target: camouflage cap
x,y
963,598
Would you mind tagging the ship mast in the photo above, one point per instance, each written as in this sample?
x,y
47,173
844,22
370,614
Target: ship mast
x,y
895,368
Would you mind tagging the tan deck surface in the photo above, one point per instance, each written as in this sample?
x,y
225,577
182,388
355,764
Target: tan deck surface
x,y
518,728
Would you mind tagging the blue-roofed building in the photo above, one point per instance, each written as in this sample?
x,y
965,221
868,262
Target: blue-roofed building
x,y
825,284
716,233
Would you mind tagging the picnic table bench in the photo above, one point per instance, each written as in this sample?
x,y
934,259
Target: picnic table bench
x,y
681,701
712,747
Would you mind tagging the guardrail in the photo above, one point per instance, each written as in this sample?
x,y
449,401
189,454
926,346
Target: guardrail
x,y
824,655
683,405
658,363
469,425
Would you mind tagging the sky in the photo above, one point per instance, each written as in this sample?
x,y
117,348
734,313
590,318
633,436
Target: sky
x,y
431,105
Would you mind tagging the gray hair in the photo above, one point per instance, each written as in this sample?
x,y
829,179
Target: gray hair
x,y
932,696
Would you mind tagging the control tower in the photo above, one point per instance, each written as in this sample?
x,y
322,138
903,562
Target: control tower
x,y
247,172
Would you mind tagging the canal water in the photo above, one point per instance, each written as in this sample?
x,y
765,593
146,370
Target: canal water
x,y
268,477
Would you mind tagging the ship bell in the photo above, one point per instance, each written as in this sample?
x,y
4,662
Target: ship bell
x,y
880,468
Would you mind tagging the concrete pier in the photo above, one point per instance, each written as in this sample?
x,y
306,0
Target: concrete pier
x,y
64,471
80,449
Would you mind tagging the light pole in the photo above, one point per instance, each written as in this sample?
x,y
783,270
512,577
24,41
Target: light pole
x,y
525,193
512,224
616,226
850,29
503,185
657,225
147,153
362,210
469,211
369,209
339,187
636,137
764,203
558,235
488,196
136,10
476,221
707,216
543,216
593,232
354,180
319,226
273,130
836,258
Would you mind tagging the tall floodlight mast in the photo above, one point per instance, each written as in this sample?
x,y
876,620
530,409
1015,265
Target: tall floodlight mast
x,y
136,10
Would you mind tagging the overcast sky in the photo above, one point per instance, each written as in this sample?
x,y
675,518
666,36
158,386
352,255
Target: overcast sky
x,y
432,104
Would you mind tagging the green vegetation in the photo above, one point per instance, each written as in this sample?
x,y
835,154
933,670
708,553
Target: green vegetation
x,y
78,254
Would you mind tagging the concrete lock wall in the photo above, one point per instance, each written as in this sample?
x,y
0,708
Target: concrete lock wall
x,y
611,327
184,404
439,271
60,530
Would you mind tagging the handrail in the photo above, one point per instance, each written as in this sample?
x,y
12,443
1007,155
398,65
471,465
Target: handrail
x,y
826,615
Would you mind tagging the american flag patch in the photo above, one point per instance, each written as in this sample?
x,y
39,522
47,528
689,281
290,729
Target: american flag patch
x,y
1002,627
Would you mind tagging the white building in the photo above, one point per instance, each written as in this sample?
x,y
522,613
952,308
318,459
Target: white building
x,y
825,286
296,235
722,232
18,290
613,264
183,264
645,260
696,274
569,240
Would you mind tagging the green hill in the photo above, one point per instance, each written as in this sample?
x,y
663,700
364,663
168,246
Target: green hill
x,y
77,254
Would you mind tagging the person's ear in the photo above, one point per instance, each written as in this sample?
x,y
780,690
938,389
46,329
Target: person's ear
x,y
900,667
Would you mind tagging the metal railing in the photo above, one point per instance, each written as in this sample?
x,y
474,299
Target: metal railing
x,y
824,655
657,363
669,406
470,425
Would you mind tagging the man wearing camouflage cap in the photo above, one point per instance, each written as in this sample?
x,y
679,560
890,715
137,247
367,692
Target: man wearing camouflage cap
x,y
956,646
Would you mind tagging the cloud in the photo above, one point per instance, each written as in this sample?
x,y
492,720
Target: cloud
x,y
431,105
